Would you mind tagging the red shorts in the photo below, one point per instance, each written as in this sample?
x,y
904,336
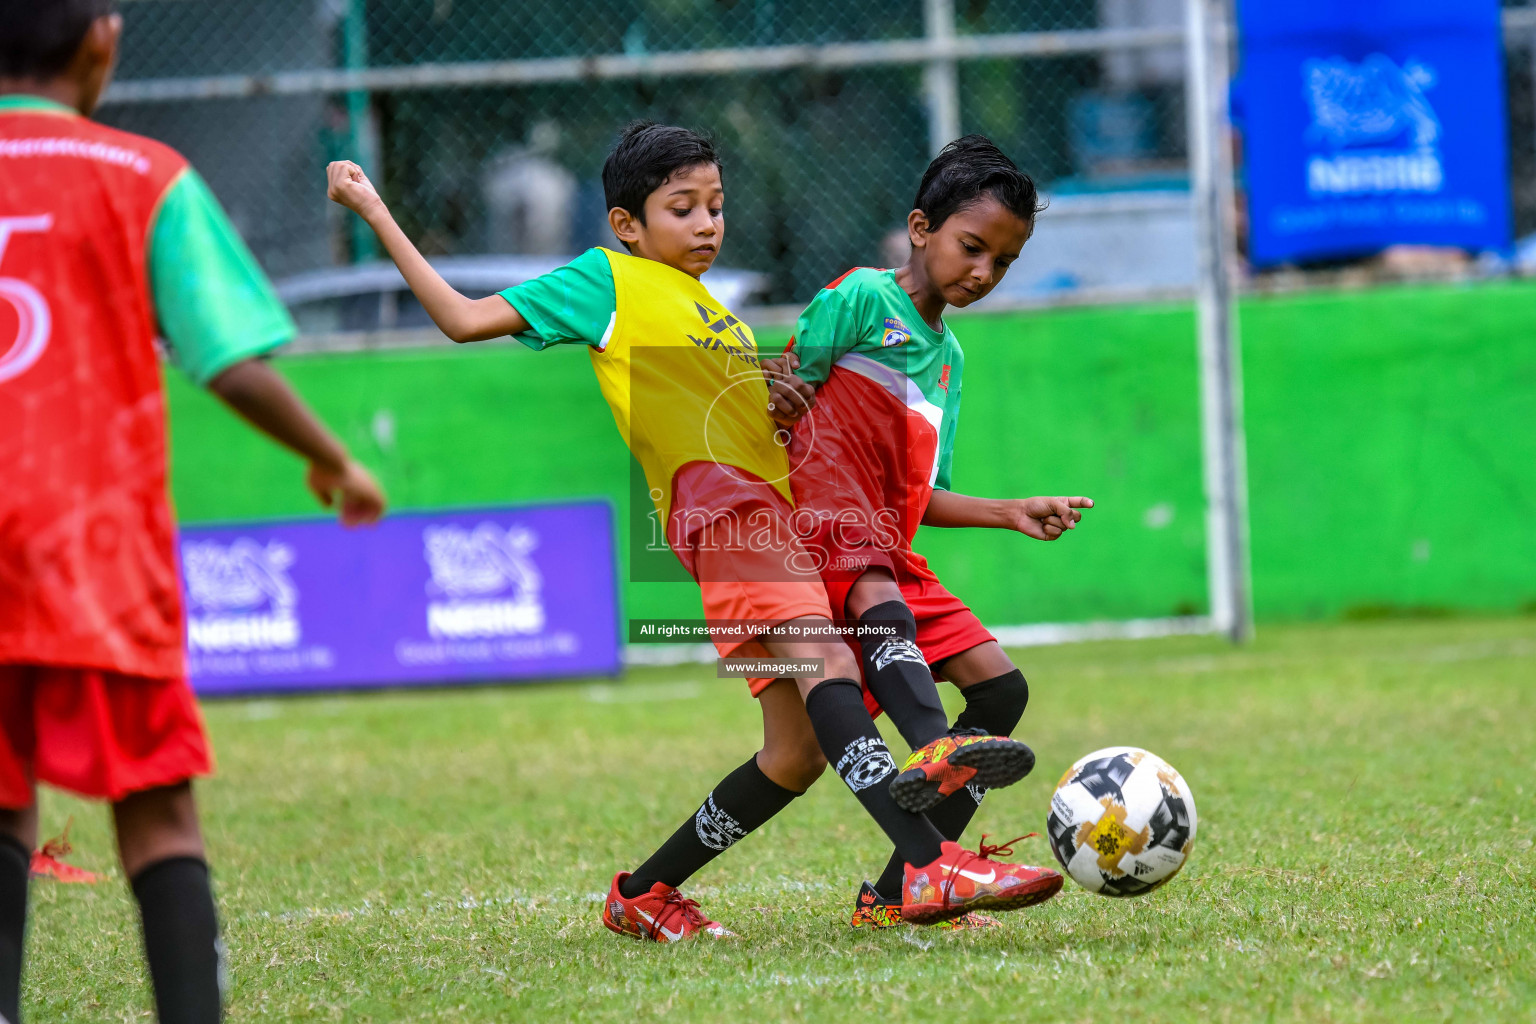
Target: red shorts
x,y
98,734
945,626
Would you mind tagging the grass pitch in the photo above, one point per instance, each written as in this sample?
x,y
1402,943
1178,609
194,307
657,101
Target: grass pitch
x,y
1364,853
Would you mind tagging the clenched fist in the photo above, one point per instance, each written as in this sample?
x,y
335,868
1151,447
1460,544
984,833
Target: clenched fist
x,y
347,185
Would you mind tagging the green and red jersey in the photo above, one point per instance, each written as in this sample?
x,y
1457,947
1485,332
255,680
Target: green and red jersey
x,y
107,240
866,460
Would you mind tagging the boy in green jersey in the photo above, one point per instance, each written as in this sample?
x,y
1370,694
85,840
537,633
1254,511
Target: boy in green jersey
x,y
872,461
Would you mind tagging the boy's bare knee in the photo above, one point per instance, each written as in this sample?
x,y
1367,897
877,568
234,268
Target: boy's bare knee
x,y
839,663
155,825
805,772
795,767
812,763
20,825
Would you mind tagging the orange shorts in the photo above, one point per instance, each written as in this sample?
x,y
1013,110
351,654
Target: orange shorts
x,y
95,733
732,532
751,586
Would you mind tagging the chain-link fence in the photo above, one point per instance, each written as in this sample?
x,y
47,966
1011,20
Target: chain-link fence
x,y
486,122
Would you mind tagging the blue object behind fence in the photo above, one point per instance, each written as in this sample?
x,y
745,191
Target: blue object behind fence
x,y
1372,123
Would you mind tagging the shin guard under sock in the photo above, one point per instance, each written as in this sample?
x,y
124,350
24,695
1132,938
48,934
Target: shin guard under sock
x,y
15,870
181,939
899,677
739,803
995,705
853,747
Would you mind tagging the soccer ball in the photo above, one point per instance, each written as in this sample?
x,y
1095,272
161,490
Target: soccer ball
x,y
1122,821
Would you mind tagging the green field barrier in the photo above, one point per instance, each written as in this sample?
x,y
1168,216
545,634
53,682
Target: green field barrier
x,y
1391,447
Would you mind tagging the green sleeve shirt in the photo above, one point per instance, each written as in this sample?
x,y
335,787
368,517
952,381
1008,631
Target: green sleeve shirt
x,y
214,304
867,312
571,305
827,330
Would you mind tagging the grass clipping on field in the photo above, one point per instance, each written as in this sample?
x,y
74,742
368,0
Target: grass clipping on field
x,y
1364,851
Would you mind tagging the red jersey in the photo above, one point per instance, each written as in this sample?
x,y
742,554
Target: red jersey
x,y
87,557
867,459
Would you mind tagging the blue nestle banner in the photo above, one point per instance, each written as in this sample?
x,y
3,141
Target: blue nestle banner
x,y
489,594
1372,123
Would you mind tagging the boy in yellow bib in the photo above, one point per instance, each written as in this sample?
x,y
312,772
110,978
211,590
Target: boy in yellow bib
x,y
690,399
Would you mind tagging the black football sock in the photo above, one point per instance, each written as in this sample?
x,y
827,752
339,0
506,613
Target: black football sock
x,y
899,678
181,939
995,707
15,869
853,747
739,803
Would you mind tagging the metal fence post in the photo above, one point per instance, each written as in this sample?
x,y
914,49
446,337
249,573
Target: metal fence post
x,y
941,77
361,136
1221,385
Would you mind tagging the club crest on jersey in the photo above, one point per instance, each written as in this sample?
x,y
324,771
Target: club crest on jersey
x,y
944,377
896,333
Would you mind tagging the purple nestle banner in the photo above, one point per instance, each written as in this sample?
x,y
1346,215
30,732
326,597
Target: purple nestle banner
x,y
489,594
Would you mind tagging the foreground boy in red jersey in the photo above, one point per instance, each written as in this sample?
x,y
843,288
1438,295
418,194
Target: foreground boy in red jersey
x,y
107,238
872,460
682,376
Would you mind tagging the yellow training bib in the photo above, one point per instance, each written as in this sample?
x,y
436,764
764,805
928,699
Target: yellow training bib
x,y
682,377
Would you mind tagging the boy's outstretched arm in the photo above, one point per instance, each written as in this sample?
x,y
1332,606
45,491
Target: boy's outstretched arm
x,y
456,315
1041,518
260,395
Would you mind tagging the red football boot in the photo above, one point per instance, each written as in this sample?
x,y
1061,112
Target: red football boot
x,y
962,757
961,881
48,862
661,915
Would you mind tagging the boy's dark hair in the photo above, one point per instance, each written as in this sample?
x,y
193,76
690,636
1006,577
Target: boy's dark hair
x,y
967,169
38,38
647,154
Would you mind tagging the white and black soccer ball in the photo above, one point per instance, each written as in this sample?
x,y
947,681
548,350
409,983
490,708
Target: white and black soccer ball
x,y
1122,821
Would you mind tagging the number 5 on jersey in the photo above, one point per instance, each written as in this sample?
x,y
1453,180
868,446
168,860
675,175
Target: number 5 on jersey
x,y
34,321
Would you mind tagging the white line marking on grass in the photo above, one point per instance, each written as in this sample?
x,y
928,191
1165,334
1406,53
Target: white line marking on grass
x,y
1043,634
1475,652
1035,634
1236,662
819,980
428,903
669,654
620,693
